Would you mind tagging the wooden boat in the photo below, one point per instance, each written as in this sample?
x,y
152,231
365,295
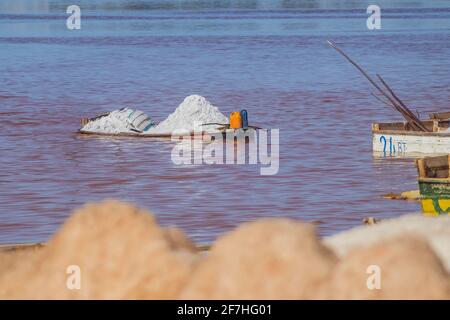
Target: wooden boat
x,y
203,135
399,139
434,184
404,138
194,135
21,246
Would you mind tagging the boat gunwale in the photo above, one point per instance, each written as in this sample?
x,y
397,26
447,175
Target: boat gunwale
x,y
124,134
434,180
400,128
412,133
193,134
144,135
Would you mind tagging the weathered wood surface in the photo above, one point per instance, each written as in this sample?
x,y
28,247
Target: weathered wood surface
x,y
8,247
20,246
395,143
125,134
194,135
434,184
434,126
440,115
433,167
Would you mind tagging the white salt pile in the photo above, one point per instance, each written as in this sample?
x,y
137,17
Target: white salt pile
x,y
190,114
117,121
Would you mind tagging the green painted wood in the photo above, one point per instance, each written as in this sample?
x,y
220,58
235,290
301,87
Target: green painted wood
x,y
435,189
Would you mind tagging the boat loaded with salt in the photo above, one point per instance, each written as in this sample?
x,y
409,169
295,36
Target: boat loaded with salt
x,y
195,116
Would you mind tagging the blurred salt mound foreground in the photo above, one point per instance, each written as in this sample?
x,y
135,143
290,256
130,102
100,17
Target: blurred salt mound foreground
x,y
122,253
194,111
436,230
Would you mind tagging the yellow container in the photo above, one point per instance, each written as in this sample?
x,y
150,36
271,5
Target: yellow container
x,y
235,120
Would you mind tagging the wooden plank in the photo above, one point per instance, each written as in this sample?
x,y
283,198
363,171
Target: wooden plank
x,y
440,173
38,245
125,134
435,167
20,246
435,126
448,165
414,133
84,121
398,126
156,135
444,125
203,135
440,115
434,180
392,143
421,168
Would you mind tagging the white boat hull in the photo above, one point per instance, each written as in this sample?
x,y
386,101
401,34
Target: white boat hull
x,y
409,144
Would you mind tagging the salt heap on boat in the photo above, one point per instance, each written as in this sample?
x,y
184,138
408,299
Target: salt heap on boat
x,y
118,121
190,115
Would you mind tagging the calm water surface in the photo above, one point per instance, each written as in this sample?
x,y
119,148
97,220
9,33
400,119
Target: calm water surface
x,y
269,57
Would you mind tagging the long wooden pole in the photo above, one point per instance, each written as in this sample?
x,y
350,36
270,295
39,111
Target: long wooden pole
x,y
401,102
410,118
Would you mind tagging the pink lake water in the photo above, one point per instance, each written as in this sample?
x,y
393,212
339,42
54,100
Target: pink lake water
x,y
269,57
